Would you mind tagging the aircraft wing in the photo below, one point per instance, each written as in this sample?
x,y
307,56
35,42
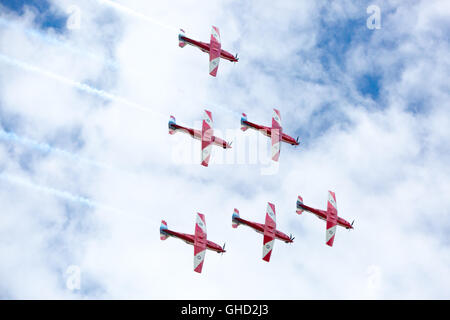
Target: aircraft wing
x,y
207,134
269,232
331,218
214,51
276,134
199,242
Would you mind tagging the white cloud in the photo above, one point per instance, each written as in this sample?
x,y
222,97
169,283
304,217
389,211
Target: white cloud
x,y
386,162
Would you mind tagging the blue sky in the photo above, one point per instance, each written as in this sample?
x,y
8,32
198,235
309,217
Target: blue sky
x,y
88,170
45,17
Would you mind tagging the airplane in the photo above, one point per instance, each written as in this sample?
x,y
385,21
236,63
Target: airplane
x,y
213,48
198,240
205,135
330,216
268,229
275,132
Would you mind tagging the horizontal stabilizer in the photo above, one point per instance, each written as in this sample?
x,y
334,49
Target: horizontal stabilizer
x,y
162,230
243,120
299,205
172,122
234,222
181,42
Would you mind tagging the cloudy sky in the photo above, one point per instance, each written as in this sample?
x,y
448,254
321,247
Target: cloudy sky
x,y
88,169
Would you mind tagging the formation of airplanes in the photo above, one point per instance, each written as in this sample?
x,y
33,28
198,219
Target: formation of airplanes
x,y
268,229
207,138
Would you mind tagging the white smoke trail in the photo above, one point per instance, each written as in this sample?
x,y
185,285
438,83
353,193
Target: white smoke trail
x,y
136,14
236,114
17,180
57,193
84,87
56,42
131,12
44,147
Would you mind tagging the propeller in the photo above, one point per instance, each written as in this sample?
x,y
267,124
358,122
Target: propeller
x,y
291,237
351,225
298,141
236,56
223,248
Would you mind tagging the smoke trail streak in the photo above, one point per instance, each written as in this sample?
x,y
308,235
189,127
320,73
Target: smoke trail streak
x,y
82,86
151,20
213,104
44,147
53,41
136,14
233,112
58,193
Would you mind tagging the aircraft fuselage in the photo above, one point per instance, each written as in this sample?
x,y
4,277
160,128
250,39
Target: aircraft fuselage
x,y
322,214
267,131
189,239
259,227
197,134
205,47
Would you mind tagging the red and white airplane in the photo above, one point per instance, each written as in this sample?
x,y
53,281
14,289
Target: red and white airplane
x,y
275,133
330,216
198,240
268,229
205,135
213,48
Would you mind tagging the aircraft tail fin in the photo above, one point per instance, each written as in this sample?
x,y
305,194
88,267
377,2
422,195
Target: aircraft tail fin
x,y
234,222
162,230
181,42
243,125
172,121
299,205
